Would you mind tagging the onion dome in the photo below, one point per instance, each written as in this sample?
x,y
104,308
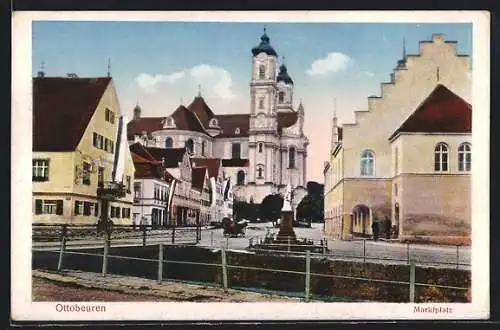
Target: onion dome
x,y
264,46
283,75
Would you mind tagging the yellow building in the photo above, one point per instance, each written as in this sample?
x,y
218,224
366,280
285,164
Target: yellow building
x,y
362,189
75,128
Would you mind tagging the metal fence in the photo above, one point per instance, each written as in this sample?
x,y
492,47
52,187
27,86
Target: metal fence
x,y
77,235
162,262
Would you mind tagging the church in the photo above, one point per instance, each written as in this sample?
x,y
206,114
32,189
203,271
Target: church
x,y
261,151
403,168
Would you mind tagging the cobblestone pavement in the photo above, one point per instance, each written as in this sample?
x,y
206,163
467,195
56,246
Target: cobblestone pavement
x,y
82,286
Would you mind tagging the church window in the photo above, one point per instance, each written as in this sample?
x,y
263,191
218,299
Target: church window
x,y
169,142
291,157
441,157
464,157
261,103
260,146
240,178
237,130
213,122
236,151
203,148
190,146
367,165
281,97
262,71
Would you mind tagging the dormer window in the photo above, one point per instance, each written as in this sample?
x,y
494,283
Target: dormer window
x,y
237,131
169,123
214,122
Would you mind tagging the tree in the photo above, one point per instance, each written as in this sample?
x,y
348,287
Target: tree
x,y
270,208
311,207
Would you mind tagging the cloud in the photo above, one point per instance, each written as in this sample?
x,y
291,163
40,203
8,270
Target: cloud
x,y
332,63
217,78
366,74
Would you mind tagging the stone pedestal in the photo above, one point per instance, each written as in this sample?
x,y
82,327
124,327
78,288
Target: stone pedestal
x,y
286,228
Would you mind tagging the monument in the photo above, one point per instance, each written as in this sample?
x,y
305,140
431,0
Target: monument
x,y
286,233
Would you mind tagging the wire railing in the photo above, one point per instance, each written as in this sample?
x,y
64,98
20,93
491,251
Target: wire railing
x,y
162,265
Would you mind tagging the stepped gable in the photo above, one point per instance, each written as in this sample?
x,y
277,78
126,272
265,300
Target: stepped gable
x,y
211,164
441,112
200,108
144,124
198,178
62,110
229,123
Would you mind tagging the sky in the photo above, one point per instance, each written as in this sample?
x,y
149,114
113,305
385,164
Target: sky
x,y
160,65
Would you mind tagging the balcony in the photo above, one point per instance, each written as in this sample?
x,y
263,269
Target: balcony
x,y
111,190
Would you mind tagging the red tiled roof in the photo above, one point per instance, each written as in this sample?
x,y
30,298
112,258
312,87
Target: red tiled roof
x,y
146,124
202,110
286,119
140,151
441,112
235,163
141,160
186,120
198,178
212,165
172,156
229,123
147,171
62,109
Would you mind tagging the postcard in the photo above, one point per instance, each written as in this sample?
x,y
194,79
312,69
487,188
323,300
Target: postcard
x,y
212,166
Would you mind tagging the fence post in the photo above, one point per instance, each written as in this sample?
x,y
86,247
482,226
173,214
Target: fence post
x,y
288,240
364,250
408,253
160,262
173,234
227,242
308,275
61,253
412,281
105,256
211,238
458,263
144,235
224,268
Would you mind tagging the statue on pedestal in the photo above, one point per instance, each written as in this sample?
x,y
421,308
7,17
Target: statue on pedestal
x,y
286,232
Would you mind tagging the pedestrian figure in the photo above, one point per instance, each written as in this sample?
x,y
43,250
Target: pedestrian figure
x,y
375,230
387,227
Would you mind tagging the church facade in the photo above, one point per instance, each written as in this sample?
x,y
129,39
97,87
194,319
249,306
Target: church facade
x,y
403,166
261,151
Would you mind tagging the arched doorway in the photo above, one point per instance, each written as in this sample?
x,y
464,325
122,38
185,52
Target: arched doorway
x,y
361,220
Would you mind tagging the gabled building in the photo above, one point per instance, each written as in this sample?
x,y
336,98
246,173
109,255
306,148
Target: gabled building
x,y
404,159
75,131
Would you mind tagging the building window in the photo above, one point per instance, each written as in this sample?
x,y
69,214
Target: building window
x,y
125,212
100,176
464,157
203,147
100,141
128,183
262,71
367,163
236,151
190,146
213,122
260,146
281,97
40,169
441,157
291,157
49,207
137,190
110,116
260,172
169,142
240,180
78,208
261,103
86,173
237,131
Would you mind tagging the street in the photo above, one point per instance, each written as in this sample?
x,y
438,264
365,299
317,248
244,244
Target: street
x,y
360,250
